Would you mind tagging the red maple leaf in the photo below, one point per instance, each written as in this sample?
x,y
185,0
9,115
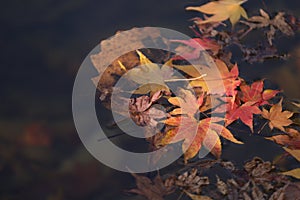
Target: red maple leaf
x,y
197,45
231,81
244,113
255,93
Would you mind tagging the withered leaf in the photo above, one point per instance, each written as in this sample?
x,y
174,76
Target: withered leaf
x,y
277,23
141,111
107,60
222,187
152,190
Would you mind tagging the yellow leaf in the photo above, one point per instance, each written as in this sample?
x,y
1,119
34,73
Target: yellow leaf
x,y
149,75
294,173
294,152
222,10
197,197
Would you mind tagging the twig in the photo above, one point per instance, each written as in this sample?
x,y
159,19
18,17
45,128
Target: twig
x,y
185,79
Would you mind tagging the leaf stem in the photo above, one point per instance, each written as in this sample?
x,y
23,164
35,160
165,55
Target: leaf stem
x,y
258,132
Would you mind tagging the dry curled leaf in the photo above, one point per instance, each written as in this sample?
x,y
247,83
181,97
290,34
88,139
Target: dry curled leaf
x,y
263,21
143,113
117,45
191,181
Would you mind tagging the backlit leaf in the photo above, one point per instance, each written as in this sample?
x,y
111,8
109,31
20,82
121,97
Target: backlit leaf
x,y
222,10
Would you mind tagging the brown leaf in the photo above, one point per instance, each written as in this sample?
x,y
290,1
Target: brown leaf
x,y
278,118
152,190
277,23
112,48
141,111
291,140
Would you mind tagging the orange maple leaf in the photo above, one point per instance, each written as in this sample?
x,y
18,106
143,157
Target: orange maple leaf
x,y
207,134
222,10
278,118
187,102
226,83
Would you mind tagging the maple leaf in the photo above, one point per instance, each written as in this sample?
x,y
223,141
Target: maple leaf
x,y
226,83
256,94
207,134
278,23
195,46
188,104
152,189
150,75
244,113
222,10
290,140
277,118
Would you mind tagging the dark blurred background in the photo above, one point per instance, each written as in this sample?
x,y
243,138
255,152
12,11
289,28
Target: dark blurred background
x,y
42,46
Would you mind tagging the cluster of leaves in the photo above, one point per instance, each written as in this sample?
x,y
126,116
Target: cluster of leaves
x,y
209,29
237,101
210,101
205,181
